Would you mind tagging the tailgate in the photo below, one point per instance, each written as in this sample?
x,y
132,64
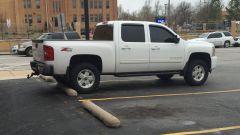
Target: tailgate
x,y
37,48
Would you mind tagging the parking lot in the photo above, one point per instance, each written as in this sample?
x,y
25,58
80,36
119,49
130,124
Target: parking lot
x,y
145,105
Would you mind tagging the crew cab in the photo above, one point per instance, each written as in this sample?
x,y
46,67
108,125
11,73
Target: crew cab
x,y
219,39
26,47
122,49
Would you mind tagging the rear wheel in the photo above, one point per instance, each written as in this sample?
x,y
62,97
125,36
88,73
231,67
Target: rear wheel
x,y
85,78
166,77
197,73
29,52
226,44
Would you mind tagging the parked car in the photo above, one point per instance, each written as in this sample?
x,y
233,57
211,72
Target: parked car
x,y
237,42
26,47
219,39
124,48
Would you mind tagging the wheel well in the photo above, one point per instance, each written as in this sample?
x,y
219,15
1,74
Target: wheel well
x,y
92,59
202,56
27,48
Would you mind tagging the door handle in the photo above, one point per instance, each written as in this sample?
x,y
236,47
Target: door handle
x,y
156,49
126,48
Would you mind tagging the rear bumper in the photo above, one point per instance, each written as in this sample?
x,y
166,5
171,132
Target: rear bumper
x,y
41,68
214,62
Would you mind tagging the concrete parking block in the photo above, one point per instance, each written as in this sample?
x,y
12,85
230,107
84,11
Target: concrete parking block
x,y
107,118
70,92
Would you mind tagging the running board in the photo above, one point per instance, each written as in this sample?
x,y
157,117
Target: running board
x,y
146,73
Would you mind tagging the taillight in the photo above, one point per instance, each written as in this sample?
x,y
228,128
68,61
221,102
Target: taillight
x,y
48,53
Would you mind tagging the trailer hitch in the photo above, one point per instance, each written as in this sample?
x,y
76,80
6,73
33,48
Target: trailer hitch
x,y
32,74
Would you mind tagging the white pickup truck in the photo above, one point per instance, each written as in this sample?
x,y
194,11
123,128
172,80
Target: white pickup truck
x,y
124,48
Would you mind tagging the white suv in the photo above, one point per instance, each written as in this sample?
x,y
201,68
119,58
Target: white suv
x,y
219,39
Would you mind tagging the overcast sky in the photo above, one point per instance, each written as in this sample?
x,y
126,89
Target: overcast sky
x,y
133,5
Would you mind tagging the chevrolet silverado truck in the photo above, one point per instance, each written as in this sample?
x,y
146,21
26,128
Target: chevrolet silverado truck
x,y
122,49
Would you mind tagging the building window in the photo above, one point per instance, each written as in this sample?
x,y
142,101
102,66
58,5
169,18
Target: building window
x,y
91,18
96,19
28,19
55,21
82,18
100,3
82,4
37,4
100,17
95,4
108,17
56,6
91,4
108,4
74,3
39,19
27,3
74,18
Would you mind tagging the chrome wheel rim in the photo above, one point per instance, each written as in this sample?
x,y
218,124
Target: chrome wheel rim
x,y
227,45
30,52
86,79
198,73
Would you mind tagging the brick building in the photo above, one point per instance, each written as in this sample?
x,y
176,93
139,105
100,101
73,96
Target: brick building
x,y
34,14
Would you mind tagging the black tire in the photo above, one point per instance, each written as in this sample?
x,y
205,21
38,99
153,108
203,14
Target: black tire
x,y
29,52
166,77
226,44
75,71
189,76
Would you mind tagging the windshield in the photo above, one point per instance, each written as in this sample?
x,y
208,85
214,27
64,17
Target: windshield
x,y
205,35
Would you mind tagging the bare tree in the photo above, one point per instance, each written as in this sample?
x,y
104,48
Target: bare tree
x,y
183,13
157,9
146,14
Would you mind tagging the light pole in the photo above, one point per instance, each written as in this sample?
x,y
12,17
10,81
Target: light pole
x,y
169,10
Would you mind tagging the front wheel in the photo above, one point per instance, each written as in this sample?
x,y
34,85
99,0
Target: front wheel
x,y
85,78
197,73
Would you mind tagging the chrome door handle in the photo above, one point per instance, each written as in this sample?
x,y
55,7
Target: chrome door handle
x,y
126,48
156,49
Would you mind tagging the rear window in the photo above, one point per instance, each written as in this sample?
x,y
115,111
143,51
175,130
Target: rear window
x,y
103,32
72,36
227,34
55,36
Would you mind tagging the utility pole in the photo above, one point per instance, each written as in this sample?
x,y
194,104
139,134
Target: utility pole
x,y
46,7
86,14
61,19
166,10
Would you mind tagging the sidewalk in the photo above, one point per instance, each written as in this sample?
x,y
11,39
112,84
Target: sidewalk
x,y
5,53
6,75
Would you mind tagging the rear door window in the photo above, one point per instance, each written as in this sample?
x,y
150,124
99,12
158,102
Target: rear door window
x,y
133,33
103,32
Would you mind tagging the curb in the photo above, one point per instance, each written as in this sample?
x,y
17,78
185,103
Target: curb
x,y
108,119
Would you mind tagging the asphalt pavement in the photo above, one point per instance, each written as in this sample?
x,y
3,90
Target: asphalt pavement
x,y
145,105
